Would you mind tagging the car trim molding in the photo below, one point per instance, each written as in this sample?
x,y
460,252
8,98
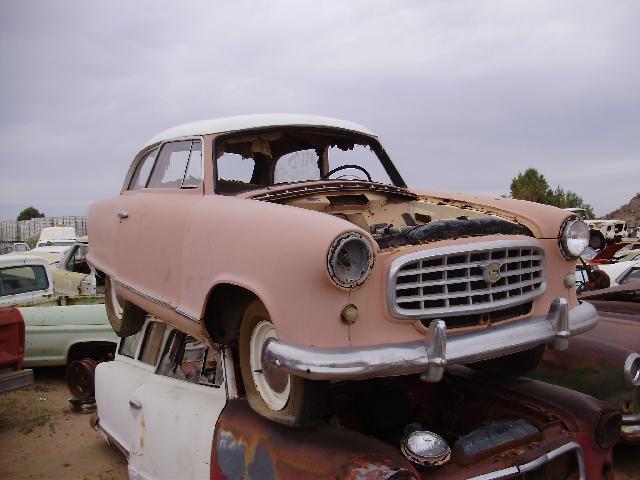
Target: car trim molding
x,y
436,351
112,440
150,298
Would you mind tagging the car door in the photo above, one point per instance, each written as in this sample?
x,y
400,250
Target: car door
x,y
116,381
73,276
152,227
176,411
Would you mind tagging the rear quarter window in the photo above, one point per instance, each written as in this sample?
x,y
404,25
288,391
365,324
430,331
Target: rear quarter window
x,y
23,279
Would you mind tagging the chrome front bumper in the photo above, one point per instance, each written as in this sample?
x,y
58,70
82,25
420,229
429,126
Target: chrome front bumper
x,y
436,351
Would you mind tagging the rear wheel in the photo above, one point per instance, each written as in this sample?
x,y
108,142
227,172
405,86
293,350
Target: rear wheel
x,y
80,377
125,317
274,394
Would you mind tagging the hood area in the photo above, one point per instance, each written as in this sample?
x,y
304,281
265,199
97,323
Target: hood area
x,y
399,218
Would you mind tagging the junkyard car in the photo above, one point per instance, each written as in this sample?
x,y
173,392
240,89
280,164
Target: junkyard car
x,y
72,275
174,407
605,362
56,239
603,232
296,238
58,328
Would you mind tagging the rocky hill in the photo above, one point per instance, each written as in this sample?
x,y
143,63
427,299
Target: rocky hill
x,y
629,212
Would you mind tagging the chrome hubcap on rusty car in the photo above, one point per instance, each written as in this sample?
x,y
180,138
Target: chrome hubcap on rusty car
x,y
272,384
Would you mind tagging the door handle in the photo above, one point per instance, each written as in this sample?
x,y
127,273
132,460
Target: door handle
x,y
122,214
135,404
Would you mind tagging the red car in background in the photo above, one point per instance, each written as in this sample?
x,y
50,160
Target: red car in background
x,y
12,375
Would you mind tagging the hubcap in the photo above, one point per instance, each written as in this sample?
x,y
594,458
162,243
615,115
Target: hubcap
x,y
272,385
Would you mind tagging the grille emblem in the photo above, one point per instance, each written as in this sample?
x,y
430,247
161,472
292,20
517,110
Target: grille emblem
x,y
491,272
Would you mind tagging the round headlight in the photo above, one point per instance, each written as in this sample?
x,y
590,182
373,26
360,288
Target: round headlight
x,y
425,448
574,238
350,259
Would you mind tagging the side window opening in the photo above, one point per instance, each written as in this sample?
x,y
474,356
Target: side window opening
x,y
23,279
234,173
193,175
141,175
179,165
129,345
631,277
188,359
170,168
151,343
76,260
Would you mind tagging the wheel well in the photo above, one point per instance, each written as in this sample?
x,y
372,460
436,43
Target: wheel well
x,y
99,351
223,314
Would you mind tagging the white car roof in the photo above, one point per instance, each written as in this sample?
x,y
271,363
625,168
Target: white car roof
x,y
15,260
248,122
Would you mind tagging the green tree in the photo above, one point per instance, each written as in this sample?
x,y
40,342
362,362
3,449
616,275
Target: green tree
x,y
531,185
29,213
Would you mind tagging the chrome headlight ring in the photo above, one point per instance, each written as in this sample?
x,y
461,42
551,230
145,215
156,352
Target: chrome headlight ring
x,y
574,238
632,370
350,259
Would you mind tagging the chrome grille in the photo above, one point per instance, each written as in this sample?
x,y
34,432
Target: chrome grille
x,y
463,279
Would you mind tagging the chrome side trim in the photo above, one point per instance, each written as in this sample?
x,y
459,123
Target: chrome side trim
x,y
537,463
112,441
395,271
186,314
148,297
431,355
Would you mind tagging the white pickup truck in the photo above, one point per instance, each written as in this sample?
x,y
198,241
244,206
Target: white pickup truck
x,y
58,328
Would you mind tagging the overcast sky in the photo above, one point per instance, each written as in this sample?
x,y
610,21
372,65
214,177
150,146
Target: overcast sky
x,y
464,94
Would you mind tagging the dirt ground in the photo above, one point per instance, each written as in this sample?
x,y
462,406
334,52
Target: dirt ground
x,y
40,437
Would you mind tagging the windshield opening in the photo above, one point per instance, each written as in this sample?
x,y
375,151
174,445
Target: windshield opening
x,y
258,160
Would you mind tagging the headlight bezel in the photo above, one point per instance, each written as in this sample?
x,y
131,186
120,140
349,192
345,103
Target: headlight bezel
x,y
339,244
632,370
565,248
607,431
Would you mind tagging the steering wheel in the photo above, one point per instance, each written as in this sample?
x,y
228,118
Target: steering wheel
x,y
344,167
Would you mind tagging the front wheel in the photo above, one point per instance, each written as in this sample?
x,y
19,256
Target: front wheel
x,y
125,317
275,395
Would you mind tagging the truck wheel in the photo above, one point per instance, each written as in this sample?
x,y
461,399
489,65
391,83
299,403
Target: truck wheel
x,y
80,377
514,365
596,240
275,395
125,317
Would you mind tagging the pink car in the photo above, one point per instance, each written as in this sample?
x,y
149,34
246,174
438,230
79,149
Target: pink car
x,y
295,240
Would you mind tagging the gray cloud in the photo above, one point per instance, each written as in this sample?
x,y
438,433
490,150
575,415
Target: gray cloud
x,y
464,94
